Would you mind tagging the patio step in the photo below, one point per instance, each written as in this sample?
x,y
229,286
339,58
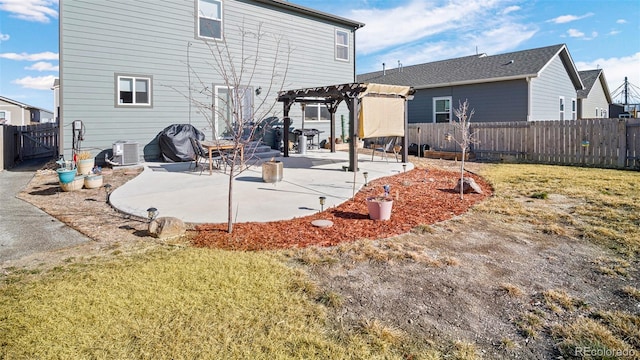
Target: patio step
x,y
259,151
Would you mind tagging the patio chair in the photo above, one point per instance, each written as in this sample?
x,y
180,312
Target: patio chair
x,y
388,145
200,154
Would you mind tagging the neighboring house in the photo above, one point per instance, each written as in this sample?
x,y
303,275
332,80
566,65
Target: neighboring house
x,y
535,84
56,100
16,113
594,99
124,65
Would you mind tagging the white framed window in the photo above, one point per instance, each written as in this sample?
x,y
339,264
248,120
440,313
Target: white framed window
x,y
5,117
561,107
442,109
597,112
133,90
342,45
316,112
209,19
574,106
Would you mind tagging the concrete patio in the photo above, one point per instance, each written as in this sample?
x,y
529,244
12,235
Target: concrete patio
x,y
176,190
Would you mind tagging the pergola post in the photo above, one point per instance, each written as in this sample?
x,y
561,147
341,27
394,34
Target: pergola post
x,y
287,123
353,103
405,138
333,107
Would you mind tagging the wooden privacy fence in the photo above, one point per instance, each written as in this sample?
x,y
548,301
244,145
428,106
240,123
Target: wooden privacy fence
x,y
26,142
610,143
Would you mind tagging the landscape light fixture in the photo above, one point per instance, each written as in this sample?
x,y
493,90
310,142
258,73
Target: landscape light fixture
x,y
404,167
152,213
322,199
107,191
366,175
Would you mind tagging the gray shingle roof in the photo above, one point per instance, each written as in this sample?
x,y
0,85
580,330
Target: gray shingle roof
x,y
588,78
475,69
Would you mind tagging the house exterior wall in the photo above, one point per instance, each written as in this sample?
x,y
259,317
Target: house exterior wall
x,y
151,38
491,102
14,114
546,90
596,104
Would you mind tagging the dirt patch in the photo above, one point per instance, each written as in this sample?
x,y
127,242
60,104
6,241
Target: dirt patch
x,y
474,278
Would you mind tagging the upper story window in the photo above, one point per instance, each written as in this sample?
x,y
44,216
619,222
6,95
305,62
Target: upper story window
x,y
442,109
342,45
316,112
133,90
210,19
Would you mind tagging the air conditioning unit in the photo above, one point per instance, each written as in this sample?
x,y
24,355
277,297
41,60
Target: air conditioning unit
x,y
125,152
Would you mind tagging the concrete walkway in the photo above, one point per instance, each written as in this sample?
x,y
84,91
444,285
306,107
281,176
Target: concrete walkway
x,y
177,191
25,229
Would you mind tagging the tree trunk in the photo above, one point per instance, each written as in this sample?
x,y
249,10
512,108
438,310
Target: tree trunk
x,y
462,174
230,196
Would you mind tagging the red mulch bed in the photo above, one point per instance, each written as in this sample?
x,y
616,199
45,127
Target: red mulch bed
x,y
420,197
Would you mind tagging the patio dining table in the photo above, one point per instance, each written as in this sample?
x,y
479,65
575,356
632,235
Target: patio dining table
x,y
220,145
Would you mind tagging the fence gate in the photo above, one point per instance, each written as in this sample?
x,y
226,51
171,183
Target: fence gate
x,y
37,141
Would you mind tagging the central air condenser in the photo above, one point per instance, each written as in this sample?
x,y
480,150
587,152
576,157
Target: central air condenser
x,y
125,153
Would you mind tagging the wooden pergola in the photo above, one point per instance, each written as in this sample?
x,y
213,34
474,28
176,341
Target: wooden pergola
x,y
332,96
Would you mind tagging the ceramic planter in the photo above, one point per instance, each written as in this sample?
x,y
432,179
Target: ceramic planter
x,y
93,181
66,176
272,171
85,166
379,207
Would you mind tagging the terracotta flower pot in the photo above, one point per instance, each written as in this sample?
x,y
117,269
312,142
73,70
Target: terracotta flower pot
x,y
379,207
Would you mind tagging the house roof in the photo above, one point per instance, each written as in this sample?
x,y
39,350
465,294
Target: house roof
x,y
477,69
283,4
22,105
589,78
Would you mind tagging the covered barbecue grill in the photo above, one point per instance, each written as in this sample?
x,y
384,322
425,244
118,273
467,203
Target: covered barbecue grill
x,y
305,138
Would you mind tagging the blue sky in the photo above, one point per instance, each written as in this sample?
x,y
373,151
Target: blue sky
x,y
598,34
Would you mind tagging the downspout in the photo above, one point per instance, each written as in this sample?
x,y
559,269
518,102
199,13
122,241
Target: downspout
x,y
60,85
528,99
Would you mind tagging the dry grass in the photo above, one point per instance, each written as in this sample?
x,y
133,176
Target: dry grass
x,y
632,292
558,300
608,201
587,336
511,290
180,303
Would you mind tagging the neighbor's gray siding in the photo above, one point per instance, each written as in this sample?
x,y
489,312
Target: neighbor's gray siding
x,y
596,100
546,89
150,37
491,102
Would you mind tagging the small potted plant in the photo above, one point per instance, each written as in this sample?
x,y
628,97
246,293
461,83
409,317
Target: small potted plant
x,y
84,162
380,206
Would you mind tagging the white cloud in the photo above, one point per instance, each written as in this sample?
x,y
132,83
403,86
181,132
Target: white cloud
x,y
575,33
418,20
4,37
568,18
38,83
621,21
614,32
42,66
30,57
510,9
31,10
615,70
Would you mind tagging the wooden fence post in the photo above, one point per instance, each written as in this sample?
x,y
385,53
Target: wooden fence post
x,y
622,143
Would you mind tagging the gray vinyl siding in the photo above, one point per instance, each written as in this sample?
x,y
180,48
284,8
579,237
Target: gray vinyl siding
x,y
150,37
546,90
595,100
491,102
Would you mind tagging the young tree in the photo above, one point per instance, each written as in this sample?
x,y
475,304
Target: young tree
x,y
463,135
232,111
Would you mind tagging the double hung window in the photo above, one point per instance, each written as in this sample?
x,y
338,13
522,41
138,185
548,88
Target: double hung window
x,y
133,90
210,19
442,109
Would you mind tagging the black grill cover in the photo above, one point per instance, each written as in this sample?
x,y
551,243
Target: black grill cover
x,y
174,142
